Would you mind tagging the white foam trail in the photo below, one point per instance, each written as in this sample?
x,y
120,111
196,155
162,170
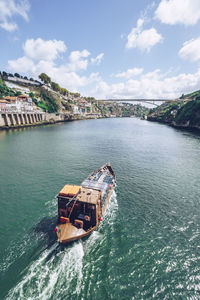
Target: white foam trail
x,y
53,276
112,208
47,277
93,248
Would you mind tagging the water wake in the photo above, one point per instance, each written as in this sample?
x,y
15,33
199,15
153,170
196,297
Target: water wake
x,y
51,277
58,273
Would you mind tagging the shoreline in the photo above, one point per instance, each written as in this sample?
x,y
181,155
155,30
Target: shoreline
x,y
74,118
181,127
51,119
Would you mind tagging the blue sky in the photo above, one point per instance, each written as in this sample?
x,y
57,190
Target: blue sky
x,y
107,48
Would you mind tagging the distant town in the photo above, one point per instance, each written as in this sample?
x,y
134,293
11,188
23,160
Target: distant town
x,y
26,101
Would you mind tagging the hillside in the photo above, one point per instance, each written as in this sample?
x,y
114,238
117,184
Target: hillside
x,y
52,98
184,112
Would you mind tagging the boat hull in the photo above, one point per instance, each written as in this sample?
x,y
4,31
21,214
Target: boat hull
x,y
68,233
81,208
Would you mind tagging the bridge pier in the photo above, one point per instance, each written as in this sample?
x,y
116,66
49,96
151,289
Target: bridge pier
x,y
11,119
21,120
25,118
29,119
4,116
16,119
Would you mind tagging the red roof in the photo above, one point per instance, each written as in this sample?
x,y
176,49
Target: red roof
x,y
3,101
9,98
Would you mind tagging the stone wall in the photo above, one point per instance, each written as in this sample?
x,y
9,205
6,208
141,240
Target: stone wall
x,y
10,120
13,120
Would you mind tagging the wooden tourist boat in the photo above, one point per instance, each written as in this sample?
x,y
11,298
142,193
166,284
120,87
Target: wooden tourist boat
x,y
81,208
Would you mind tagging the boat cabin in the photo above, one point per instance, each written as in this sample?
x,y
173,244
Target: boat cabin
x,y
79,206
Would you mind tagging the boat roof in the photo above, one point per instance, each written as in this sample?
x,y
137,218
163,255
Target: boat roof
x,y
88,196
70,190
96,185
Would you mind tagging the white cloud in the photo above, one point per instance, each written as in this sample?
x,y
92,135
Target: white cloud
x,y
24,64
143,39
178,11
129,73
97,60
76,62
43,50
149,85
11,8
9,26
190,50
77,55
40,56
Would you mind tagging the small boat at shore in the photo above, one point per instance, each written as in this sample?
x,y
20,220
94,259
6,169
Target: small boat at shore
x,y
81,207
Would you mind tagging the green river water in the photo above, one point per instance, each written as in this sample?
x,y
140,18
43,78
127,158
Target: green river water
x,y
147,246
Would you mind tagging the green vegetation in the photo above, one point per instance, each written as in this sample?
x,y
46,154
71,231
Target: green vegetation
x,y
55,87
126,112
6,91
18,93
179,113
31,94
64,91
192,96
42,105
190,112
67,106
49,101
76,95
45,78
52,98
90,99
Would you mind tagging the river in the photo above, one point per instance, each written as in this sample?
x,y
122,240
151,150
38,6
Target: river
x,y
147,246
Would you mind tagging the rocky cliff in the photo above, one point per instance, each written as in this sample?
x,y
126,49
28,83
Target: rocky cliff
x,y
184,112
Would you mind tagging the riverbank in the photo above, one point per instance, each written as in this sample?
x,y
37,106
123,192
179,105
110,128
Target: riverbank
x,y
182,113
11,121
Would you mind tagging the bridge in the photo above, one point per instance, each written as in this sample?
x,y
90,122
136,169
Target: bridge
x,y
149,101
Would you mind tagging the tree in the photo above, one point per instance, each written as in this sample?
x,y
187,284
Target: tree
x,y
18,93
76,95
64,91
182,96
55,86
17,75
4,74
31,94
45,78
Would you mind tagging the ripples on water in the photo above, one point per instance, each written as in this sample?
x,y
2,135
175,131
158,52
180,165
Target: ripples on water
x,y
147,246
70,272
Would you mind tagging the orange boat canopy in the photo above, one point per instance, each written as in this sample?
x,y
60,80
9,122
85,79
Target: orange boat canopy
x,y
69,190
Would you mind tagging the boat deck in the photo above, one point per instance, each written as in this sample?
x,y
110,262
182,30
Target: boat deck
x,y
69,232
81,207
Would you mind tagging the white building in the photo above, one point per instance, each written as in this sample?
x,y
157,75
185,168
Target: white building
x,y
76,110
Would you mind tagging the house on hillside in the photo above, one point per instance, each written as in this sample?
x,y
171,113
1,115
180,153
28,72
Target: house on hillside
x,y
3,105
18,104
76,110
